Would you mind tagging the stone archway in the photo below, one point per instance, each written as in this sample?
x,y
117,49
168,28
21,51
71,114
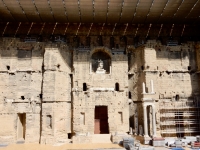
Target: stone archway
x,y
100,60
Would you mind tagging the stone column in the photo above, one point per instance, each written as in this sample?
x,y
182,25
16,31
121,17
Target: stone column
x,y
145,120
136,123
154,121
90,67
152,90
143,88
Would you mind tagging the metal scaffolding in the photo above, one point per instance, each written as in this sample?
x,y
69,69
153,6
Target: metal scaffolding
x,y
180,118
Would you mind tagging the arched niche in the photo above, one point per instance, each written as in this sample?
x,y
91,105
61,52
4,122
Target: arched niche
x,y
100,62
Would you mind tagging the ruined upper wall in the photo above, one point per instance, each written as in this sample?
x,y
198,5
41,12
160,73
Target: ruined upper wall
x,y
173,69
20,70
170,58
20,56
22,65
57,70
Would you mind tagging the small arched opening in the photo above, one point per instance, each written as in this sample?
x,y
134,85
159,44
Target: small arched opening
x,y
189,68
84,87
116,86
129,95
177,97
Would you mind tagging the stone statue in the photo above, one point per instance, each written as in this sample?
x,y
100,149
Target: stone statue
x,y
100,67
100,64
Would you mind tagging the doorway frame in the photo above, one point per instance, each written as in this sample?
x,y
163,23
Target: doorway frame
x,y
102,121
21,124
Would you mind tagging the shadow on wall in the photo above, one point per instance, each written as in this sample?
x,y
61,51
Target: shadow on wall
x,y
29,51
26,51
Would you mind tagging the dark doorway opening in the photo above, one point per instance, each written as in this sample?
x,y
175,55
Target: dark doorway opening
x,y
21,126
101,120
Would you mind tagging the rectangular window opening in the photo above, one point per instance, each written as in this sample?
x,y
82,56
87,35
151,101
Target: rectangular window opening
x,y
120,117
82,118
49,121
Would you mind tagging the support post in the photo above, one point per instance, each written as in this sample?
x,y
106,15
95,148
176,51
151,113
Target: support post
x,y
145,121
143,88
154,121
90,68
152,89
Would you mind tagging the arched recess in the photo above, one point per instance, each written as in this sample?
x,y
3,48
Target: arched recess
x,y
101,55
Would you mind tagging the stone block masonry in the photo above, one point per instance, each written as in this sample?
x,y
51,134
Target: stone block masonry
x,y
54,93
35,105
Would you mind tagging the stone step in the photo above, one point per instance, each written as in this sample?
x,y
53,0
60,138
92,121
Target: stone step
x,y
101,138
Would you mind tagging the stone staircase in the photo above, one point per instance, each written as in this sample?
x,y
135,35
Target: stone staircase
x,y
101,138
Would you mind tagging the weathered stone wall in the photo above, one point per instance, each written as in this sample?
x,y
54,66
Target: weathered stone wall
x,y
35,82
136,78
42,83
100,92
21,82
173,70
56,106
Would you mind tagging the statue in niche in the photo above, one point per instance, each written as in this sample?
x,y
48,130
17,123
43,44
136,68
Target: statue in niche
x,y
100,64
100,69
